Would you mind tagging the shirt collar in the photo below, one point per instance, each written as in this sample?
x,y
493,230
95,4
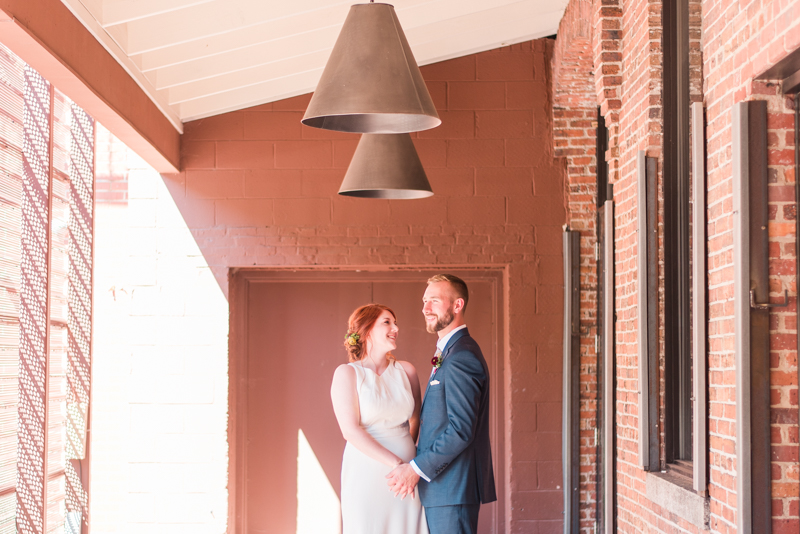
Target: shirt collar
x,y
442,343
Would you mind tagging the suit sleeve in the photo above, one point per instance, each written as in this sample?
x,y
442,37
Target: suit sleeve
x,y
465,382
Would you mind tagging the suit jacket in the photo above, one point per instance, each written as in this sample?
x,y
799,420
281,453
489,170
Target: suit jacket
x,y
453,449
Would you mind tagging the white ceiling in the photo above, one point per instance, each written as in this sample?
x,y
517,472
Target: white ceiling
x,y
197,58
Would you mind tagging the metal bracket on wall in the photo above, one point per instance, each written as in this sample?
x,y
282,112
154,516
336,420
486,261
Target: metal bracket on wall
x,y
767,305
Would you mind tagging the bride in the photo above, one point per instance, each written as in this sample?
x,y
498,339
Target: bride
x,y
376,400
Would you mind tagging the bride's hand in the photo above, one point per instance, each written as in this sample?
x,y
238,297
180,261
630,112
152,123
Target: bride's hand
x,y
402,480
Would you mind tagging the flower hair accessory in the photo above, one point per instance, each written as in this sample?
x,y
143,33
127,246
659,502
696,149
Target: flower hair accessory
x,y
352,338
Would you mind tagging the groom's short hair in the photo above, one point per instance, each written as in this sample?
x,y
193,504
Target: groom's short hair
x,y
458,285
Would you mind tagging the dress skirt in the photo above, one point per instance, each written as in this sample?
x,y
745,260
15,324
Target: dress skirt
x,y
368,507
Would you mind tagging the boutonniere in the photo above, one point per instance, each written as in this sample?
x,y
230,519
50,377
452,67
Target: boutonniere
x,y
436,361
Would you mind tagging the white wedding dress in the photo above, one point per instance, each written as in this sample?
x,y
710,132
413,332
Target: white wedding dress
x,y
368,507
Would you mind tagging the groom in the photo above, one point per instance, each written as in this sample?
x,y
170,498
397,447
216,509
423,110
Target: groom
x,y
454,458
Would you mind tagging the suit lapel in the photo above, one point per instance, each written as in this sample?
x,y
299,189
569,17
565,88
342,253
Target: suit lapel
x,y
445,353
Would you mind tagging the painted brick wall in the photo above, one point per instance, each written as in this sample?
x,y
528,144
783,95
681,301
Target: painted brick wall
x,y
160,385
259,189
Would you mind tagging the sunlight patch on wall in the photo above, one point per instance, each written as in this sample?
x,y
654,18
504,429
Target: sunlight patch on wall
x,y
318,507
159,406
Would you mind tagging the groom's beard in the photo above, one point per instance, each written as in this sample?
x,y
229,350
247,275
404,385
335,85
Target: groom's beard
x,y
441,322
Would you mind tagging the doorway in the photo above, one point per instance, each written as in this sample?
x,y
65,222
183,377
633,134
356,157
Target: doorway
x,y
287,330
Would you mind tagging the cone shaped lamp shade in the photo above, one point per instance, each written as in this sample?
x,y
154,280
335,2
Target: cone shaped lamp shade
x,y
386,166
371,83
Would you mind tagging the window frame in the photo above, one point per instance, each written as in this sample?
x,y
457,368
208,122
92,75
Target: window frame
x,y
676,177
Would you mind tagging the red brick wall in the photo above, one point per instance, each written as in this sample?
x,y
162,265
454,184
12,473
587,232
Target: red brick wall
x,y
639,128
730,44
740,41
259,189
575,140
111,168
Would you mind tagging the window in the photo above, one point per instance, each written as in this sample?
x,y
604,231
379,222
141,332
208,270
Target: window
x,y
677,382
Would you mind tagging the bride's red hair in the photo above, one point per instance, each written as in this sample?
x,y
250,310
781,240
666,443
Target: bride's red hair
x,y
358,327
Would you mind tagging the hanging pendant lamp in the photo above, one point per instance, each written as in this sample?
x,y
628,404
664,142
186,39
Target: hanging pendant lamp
x,y
386,166
371,83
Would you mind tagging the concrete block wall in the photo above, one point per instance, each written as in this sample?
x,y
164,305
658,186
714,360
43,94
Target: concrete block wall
x,y
258,189
160,402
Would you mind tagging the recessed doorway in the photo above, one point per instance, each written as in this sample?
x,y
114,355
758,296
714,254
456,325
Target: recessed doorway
x,y
287,330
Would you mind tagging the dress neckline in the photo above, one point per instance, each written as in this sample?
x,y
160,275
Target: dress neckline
x,y
391,364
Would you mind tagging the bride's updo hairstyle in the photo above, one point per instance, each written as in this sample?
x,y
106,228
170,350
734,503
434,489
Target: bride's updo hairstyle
x,y
359,326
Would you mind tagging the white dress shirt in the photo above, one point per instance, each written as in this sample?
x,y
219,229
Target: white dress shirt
x,y
440,345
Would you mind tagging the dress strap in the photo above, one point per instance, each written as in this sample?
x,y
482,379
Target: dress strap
x,y
361,374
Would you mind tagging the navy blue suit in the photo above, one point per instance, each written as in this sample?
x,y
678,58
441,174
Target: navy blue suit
x,y
453,449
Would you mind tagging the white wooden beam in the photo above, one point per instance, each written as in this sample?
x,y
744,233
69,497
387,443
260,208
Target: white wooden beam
x,y
260,75
215,18
248,58
481,38
93,25
323,26
250,96
121,11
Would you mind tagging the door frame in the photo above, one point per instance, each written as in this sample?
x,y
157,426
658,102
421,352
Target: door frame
x,y
239,280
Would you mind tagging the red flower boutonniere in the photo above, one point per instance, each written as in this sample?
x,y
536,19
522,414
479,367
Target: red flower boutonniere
x,y
436,361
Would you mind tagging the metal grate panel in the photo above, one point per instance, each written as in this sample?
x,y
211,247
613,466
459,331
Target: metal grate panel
x,y
11,100
33,305
46,225
81,224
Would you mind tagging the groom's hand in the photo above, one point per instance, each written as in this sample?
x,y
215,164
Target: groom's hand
x,y
402,480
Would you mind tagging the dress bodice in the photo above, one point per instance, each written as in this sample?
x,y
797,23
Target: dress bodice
x,y
385,402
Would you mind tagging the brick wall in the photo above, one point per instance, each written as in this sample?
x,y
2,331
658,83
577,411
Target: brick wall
x,y
111,168
739,42
160,384
260,189
575,140
730,44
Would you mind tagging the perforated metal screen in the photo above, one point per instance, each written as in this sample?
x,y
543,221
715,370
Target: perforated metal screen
x,y
31,455
46,238
11,102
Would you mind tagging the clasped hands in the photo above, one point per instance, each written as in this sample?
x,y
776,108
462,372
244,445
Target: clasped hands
x,y
402,480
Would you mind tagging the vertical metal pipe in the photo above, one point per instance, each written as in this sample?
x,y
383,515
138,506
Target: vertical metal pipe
x,y
642,307
797,230
646,293
609,370
741,268
571,376
760,452
566,432
699,346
